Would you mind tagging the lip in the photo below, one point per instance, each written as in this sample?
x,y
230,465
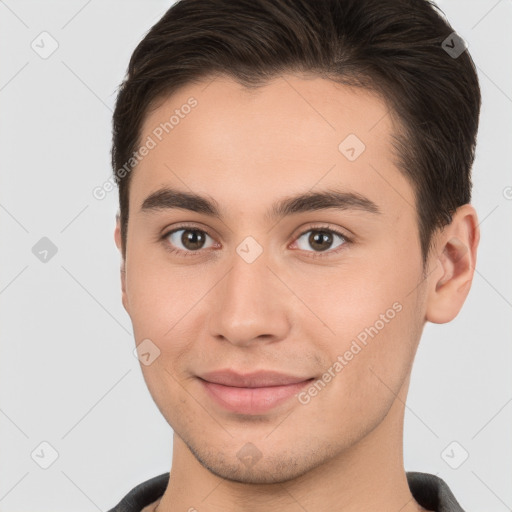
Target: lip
x,y
257,379
251,393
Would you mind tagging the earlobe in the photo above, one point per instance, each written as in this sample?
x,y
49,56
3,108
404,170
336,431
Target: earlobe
x,y
454,266
118,241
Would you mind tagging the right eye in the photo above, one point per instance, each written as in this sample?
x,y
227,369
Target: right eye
x,y
185,240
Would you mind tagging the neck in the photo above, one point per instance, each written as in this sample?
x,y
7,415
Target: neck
x,y
368,476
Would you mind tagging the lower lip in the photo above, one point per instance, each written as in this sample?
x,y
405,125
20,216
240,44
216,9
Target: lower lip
x,y
251,400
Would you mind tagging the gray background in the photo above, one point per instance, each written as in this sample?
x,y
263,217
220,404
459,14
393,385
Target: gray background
x,y
68,376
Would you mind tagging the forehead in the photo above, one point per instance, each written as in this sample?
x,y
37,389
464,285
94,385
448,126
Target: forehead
x,y
295,133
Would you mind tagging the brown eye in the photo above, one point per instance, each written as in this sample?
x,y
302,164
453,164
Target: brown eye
x,y
321,239
187,239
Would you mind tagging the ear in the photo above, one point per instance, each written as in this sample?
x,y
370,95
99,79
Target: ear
x,y
119,244
453,261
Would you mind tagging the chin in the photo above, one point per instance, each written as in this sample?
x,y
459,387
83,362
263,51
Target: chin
x,y
275,469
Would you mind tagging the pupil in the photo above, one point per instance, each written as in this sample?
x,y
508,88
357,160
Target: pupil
x,y
192,239
321,236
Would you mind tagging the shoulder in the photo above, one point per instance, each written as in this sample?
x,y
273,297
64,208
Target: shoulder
x,y
432,492
143,494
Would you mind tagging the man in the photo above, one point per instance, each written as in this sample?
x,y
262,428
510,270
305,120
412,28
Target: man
x,y
294,184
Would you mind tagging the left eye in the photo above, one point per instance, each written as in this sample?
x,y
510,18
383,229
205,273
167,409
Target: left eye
x,y
321,239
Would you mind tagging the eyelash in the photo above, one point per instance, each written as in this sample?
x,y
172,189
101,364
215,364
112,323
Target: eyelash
x,y
322,228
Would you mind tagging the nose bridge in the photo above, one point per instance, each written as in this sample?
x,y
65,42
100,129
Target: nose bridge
x,y
248,303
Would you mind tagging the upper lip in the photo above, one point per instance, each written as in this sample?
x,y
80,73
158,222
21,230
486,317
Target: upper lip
x,y
258,379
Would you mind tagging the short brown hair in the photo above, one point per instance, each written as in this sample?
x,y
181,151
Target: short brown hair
x,y
394,48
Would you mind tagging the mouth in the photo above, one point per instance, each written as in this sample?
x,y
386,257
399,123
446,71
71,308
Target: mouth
x,y
254,393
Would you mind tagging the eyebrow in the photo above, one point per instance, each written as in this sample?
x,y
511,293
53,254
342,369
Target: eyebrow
x,y
169,198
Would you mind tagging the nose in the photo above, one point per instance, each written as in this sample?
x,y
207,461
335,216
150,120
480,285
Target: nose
x,y
251,304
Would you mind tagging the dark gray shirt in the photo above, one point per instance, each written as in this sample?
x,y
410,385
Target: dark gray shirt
x,y
430,491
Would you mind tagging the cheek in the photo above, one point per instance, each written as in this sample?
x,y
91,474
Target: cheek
x,y
365,373
162,303
158,296
378,354
354,296
374,322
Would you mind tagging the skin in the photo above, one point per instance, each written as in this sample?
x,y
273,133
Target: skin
x,y
286,311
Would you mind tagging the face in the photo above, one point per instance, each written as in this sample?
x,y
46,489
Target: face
x,y
327,294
